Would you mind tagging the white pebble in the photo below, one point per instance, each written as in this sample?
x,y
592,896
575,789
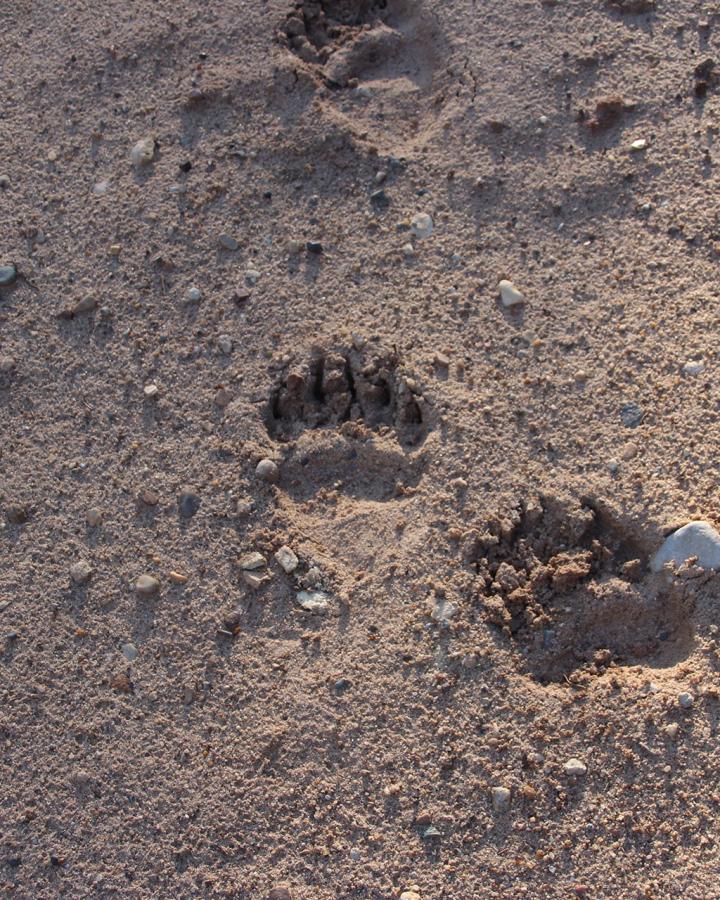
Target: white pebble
x,y
225,344
286,559
574,767
696,539
313,601
101,188
143,152
193,295
408,250
686,700
421,225
638,145
252,276
268,471
150,391
693,367
81,571
500,798
509,294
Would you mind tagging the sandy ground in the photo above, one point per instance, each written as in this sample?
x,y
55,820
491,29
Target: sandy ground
x,y
489,695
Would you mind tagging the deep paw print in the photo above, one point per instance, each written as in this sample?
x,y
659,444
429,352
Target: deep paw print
x,y
349,385
572,590
349,39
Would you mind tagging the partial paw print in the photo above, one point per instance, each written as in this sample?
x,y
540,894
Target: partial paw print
x,y
349,385
354,419
394,52
572,590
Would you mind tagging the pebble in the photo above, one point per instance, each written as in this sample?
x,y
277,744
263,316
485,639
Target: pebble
x,y
4,182
177,577
672,730
441,360
147,585
509,294
143,152
408,251
631,415
188,504
294,247
380,198
268,471
253,580
280,893
409,895
129,651
151,391
225,344
314,247
252,561
500,798
87,304
222,398
638,145
17,513
698,539
81,571
313,601
693,368
443,611
574,767
193,295
94,517
686,700
227,242
286,559
252,276
8,274
149,497
101,188
7,365
421,225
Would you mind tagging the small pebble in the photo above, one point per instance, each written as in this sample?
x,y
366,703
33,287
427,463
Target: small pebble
x,y
280,893
313,601
7,365
294,247
177,577
631,415
314,247
222,398
408,250
150,391
286,559
225,344
129,651
227,242
268,471
693,368
421,225
8,274
143,152
193,295
101,188
252,561
188,504
94,517
17,513
147,585
696,539
253,580
252,276
409,895
672,730
500,798
638,145
686,700
81,571
87,304
509,294
441,360
574,767
149,497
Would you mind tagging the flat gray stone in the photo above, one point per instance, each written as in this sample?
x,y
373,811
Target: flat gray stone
x,y
694,539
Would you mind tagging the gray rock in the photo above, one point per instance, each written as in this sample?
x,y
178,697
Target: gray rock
x,y
286,559
252,561
8,274
421,225
631,415
266,470
188,504
94,517
130,652
193,295
143,152
147,585
314,247
81,571
686,700
696,539
227,242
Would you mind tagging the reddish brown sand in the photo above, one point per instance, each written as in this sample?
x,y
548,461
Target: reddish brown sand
x,y
472,491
